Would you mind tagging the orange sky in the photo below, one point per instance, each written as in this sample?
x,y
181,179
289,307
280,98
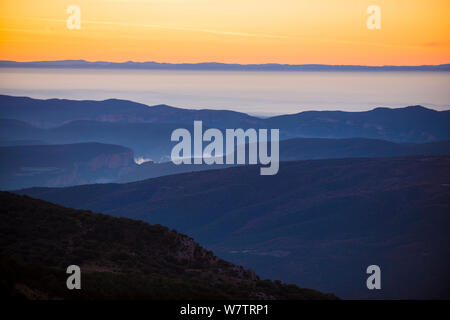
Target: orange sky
x,y
233,31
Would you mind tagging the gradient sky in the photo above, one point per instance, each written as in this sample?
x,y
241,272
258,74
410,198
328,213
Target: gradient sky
x,y
412,32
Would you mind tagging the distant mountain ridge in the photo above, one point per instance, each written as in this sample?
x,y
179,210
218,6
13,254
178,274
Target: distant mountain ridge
x,y
214,66
409,124
56,112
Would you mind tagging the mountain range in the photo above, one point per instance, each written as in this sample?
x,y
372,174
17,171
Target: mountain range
x,y
33,165
409,124
147,129
353,189
213,66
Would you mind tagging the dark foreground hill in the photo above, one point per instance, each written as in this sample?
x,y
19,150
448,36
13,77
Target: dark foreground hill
x,y
316,223
62,165
119,259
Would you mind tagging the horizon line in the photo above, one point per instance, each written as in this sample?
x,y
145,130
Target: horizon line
x,y
221,63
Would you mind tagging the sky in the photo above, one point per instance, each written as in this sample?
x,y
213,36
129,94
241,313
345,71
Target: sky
x,y
413,32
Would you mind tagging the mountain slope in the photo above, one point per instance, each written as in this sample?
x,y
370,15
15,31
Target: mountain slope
x,y
119,259
305,149
62,165
316,223
320,148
